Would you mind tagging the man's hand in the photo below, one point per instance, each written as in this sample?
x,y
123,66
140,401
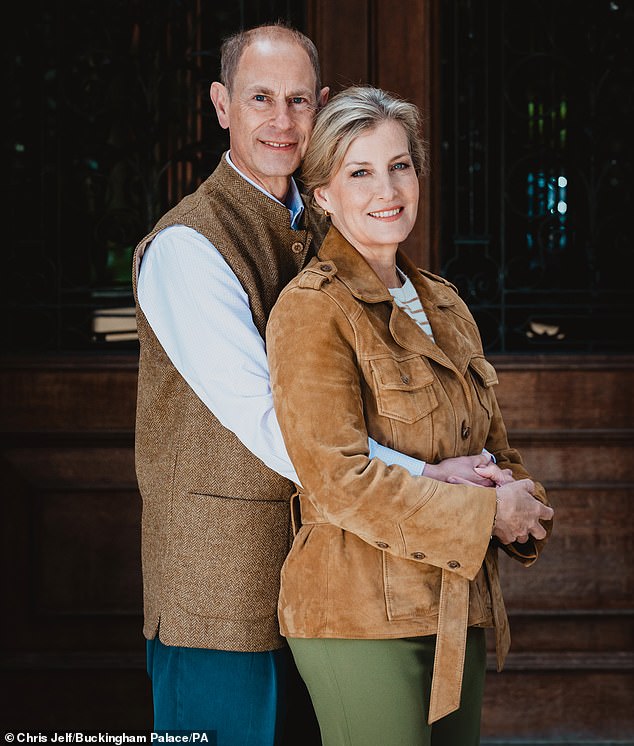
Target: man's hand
x,y
519,512
474,470
478,471
495,474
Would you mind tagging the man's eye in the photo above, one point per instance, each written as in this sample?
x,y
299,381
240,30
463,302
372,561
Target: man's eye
x,y
259,97
298,100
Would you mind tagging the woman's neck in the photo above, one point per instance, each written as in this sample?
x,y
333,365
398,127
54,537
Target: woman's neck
x,y
387,273
382,261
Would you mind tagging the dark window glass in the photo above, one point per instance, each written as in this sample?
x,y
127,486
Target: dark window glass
x,y
537,123
109,123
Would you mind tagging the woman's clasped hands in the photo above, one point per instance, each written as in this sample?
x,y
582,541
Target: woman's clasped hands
x,y
519,513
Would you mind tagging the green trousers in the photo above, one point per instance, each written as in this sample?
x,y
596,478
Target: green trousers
x,y
376,692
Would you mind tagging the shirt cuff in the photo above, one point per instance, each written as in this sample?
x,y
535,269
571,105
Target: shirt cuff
x,y
395,458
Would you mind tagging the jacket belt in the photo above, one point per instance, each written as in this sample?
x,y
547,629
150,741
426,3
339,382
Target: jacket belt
x,y
500,620
451,638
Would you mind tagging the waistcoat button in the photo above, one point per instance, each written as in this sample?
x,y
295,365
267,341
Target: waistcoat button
x,y
297,247
453,564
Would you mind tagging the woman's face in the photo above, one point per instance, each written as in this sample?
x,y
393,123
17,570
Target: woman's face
x,y
373,197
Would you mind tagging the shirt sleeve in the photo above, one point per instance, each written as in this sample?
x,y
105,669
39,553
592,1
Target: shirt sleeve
x,y
200,314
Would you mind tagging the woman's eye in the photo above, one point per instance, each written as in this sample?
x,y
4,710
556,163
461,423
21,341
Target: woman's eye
x,y
360,172
400,166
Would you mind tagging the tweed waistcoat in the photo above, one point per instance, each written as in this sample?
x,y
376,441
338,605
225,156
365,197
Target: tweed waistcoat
x,y
215,528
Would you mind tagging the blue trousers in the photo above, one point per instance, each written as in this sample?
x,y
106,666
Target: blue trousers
x,y
249,699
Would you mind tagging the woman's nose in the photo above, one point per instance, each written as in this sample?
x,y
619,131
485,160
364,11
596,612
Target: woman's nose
x,y
386,188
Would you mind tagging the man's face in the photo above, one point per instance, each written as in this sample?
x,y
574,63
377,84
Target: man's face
x,y
270,111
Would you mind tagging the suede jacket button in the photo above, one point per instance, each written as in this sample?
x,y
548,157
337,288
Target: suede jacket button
x,y
325,268
466,431
297,247
417,555
382,545
453,564
405,379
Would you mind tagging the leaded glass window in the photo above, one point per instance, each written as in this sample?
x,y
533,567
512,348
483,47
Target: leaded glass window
x,y
537,132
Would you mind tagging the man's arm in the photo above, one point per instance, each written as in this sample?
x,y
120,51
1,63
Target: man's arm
x,y
200,314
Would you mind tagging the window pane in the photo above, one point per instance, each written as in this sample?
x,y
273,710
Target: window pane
x,y
538,111
109,124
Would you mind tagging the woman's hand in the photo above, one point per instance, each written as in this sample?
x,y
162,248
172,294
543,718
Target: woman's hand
x,y
519,513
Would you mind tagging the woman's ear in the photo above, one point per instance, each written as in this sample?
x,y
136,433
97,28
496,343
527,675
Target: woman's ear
x,y
320,196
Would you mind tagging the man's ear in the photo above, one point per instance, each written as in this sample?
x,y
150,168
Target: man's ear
x,y
323,97
220,99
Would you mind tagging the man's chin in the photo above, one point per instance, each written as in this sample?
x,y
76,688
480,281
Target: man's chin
x,y
279,167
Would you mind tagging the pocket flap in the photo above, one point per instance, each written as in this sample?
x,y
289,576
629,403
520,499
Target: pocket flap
x,y
484,371
403,388
410,374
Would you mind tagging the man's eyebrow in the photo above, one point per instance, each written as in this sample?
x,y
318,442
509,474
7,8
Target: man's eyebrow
x,y
255,88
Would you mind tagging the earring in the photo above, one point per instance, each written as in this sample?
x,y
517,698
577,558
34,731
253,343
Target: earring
x,y
327,213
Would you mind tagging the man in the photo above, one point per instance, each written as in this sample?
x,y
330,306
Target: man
x,y
211,463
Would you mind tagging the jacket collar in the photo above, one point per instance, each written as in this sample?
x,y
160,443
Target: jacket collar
x,y
352,269
451,348
363,282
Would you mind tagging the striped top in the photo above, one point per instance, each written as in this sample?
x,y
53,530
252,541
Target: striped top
x,y
407,298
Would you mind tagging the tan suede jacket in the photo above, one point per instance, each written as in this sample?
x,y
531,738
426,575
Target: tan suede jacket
x,y
382,554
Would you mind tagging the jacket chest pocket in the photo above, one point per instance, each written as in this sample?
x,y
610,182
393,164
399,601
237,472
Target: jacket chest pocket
x,y
404,388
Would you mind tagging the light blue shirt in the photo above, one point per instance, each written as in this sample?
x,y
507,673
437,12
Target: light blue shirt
x,y
200,314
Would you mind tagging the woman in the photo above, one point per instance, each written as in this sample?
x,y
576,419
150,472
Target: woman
x,y
390,575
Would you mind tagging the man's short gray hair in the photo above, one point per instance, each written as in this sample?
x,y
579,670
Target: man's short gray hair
x,y
233,48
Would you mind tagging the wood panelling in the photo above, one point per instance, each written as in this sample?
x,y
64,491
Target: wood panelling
x,y
590,523
72,648
570,674
554,707
343,35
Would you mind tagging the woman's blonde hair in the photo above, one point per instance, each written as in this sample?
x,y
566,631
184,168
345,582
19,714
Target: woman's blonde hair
x,y
347,115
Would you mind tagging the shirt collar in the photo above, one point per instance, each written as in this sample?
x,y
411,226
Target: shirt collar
x,y
293,204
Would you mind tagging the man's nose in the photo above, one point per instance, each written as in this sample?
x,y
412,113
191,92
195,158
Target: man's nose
x,y
281,116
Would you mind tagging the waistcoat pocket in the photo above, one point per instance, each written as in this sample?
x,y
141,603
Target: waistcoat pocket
x,y
228,554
